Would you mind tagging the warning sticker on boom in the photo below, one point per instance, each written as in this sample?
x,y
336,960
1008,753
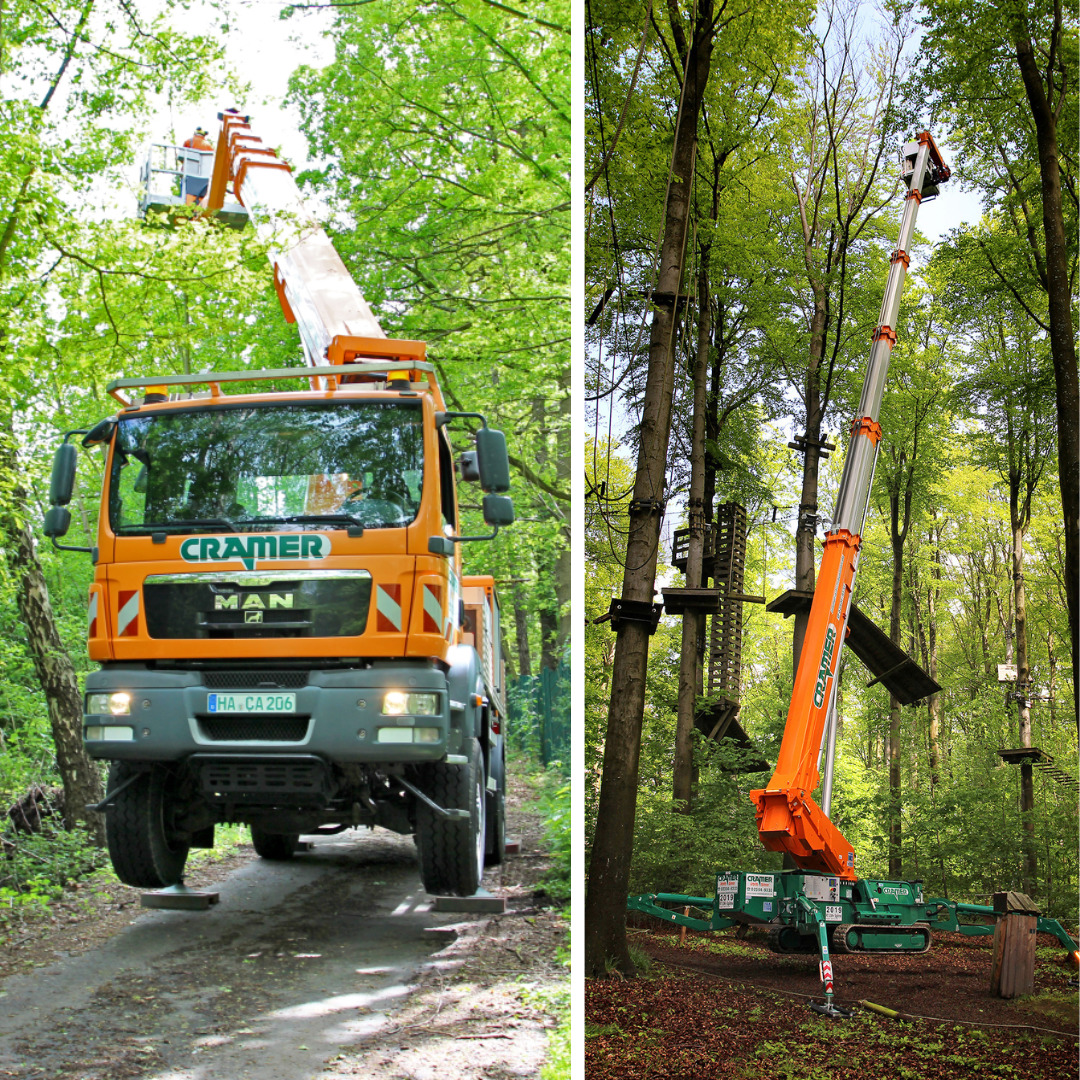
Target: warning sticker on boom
x,y
760,885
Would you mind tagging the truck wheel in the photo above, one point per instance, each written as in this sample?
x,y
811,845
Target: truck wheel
x,y
272,845
144,849
452,849
495,827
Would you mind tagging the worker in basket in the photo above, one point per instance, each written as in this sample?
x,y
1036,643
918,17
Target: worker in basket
x,y
195,185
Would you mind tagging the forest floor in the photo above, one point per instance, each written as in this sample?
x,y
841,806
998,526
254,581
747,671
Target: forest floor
x,y
717,1007
329,966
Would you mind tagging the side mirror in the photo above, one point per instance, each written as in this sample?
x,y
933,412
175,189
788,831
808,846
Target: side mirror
x,y
62,483
57,521
498,510
492,460
468,466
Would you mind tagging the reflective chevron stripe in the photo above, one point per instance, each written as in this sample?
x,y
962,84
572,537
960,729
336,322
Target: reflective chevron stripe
x,y
433,610
127,618
388,608
92,614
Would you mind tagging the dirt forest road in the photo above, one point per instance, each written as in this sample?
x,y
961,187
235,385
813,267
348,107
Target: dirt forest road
x,y
331,965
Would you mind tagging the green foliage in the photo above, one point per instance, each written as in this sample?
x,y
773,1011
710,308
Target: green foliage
x,y
36,868
445,129
555,806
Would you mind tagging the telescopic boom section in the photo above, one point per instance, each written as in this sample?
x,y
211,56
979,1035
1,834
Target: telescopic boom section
x,y
788,818
316,291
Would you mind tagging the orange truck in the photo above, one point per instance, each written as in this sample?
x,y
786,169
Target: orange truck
x,y
285,634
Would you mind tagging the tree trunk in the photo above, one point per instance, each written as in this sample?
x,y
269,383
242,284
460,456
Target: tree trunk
x,y
806,531
1023,690
609,869
692,627
898,530
933,596
521,633
1062,348
54,669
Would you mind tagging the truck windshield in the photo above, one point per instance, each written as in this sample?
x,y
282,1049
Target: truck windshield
x,y
257,467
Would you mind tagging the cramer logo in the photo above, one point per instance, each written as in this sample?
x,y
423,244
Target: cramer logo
x,y
824,672
251,550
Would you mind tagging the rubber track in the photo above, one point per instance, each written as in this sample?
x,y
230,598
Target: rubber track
x,y
447,847
840,945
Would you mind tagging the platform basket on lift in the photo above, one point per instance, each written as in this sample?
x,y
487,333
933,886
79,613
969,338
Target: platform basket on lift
x,y
161,182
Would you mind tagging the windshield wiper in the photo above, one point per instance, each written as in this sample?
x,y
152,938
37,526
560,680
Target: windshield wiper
x,y
299,519
181,526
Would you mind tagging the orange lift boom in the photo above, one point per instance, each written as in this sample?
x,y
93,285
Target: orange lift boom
x,y
788,818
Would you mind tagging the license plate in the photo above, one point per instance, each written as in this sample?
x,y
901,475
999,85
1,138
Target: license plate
x,y
253,703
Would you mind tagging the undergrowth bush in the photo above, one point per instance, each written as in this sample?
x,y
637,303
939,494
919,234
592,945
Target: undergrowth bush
x,y
35,868
555,806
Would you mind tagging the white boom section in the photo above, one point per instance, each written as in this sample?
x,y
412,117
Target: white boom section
x,y
314,283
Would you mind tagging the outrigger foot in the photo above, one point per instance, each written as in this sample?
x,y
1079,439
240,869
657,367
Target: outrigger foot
x,y
833,1012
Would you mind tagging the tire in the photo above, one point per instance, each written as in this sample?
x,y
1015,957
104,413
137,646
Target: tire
x,y
277,847
452,850
495,827
143,850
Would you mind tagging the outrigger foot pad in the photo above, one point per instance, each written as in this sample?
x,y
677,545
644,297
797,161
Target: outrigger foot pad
x,y
834,1012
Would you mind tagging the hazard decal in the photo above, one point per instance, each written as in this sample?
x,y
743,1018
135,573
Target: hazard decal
x,y
433,609
388,608
127,618
92,614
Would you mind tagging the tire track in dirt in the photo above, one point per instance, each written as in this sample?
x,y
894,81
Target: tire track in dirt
x,y
297,960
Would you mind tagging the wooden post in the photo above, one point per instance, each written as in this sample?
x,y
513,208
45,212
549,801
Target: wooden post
x,y
1012,973
682,929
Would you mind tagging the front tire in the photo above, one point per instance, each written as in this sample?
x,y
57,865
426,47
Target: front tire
x,y
145,851
452,849
277,847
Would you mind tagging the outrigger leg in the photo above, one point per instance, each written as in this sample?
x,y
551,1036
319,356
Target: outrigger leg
x,y
826,1008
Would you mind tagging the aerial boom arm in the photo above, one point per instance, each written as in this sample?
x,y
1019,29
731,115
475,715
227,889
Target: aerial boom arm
x,y
788,818
316,291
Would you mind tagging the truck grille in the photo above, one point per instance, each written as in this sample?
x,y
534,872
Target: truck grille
x,y
251,727
265,782
312,603
255,680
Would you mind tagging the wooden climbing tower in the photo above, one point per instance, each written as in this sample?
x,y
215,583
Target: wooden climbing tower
x,y
720,598
725,630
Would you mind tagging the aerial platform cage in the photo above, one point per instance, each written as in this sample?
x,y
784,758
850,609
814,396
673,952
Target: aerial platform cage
x,y
163,176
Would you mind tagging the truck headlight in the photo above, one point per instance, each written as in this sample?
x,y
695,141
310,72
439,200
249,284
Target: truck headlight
x,y
115,704
400,703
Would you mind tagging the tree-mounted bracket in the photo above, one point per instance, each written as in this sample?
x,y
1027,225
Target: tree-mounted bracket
x,y
633,611
803,442
647,506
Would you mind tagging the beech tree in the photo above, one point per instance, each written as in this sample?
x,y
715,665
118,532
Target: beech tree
x,y
1004,78
72,76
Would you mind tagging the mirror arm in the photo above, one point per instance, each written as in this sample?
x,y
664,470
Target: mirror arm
x,y
442,418
72,547
464,539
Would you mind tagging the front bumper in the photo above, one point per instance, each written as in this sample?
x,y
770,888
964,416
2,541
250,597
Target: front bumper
x,y
337,714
